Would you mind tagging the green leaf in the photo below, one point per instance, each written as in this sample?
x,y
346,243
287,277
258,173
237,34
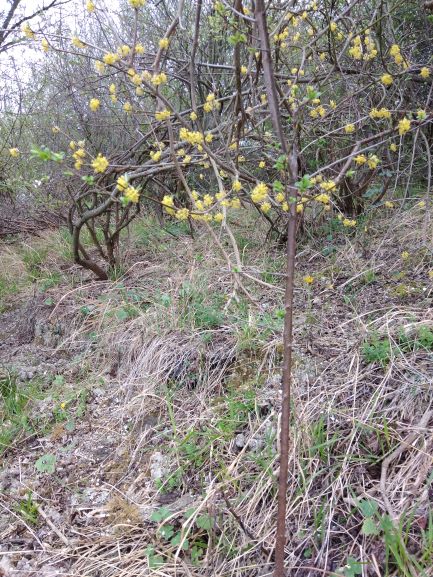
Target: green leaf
x,y
204,522
46,463
368,507
369,527
160,515
352,568
166,531
280,163
122,315
177,540
278,186
304,184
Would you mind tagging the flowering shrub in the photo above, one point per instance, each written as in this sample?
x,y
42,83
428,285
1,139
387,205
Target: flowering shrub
x,y
181,116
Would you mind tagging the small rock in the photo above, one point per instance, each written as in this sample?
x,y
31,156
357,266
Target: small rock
x,y
158,466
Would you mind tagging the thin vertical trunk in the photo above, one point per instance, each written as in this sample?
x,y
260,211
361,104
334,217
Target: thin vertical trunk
x,y
291,194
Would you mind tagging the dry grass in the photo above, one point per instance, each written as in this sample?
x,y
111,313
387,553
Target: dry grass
x,y
195,372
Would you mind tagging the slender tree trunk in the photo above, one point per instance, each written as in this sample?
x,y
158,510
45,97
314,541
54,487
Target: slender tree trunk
x,y
290,175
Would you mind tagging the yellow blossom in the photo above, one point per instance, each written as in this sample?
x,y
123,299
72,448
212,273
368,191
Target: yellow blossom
x,y
308,279
360,159
55,130
333,104
14,152
164,43
393,147
139,48
111,58
168,204
155,155
159,79
208,200
387,79
328,185
349,128
132,194
259,192
404,126
262,164
137,3
182,214
122,182
235,203
193,115
244,70
25,29
349,223
424,72
265,207
218,217
127,107
388,204
62,405
100,67
236,186
162,114
333,26
94,104
100,164
323,198
421,114
45,45
373,161
90,6
404,255
77,42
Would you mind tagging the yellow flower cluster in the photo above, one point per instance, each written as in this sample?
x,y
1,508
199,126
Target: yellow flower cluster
x,y
323,198
158,79
211,103
90,6
194,137
373,161
131,194
357,50
424,72
162,114
404,126
328,185
100,163
155,155
77,42
79,156
27,31
386,79
111,58
122,182
318,111
168,204
349,128
164,43
396,54
45,45
14,152
381,113
349,223
94,104
360,159
259,192
137,3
